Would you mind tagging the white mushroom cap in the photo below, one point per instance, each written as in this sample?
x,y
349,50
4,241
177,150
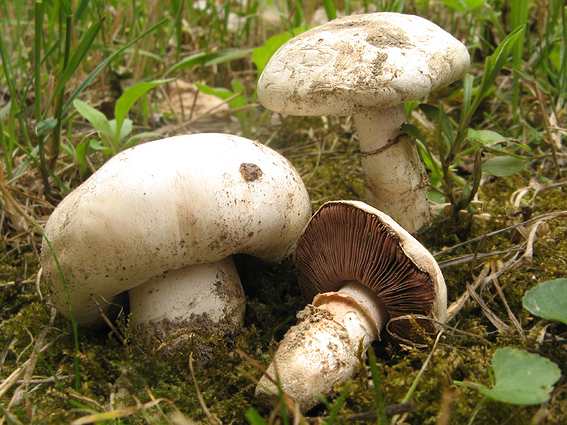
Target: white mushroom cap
x,y
166,205
368,66
361,62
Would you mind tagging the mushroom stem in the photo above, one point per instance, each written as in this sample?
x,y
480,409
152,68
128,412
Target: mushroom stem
x,y
199,294
322,351
394,176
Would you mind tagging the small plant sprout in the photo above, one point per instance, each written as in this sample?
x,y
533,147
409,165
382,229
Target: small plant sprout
x,y
455,140
548,300
113,132
368,66
519,377
161,221
365,274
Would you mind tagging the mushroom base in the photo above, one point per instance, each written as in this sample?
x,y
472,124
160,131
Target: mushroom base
x,y
193,305
323,350
199,336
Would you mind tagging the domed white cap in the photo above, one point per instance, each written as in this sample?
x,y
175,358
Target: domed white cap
x,y
361,62
166,205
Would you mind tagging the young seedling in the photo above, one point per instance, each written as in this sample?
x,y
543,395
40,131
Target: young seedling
x,y
114,132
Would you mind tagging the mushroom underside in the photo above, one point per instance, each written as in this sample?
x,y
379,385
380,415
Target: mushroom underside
x,y
364,273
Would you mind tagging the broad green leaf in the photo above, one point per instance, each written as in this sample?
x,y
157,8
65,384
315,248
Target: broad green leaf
x,y
191,61
485,137
503,166
473,4
224,94
129,97
491,140
81,152
521,377
435,113
262,54
413,131
548,300
457,5
95,145
94,116
219,92
144,135
125,130
228,55
464,6
240,101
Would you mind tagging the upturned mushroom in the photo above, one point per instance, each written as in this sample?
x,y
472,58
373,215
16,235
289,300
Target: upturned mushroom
x,y
368,66
162,220
363,272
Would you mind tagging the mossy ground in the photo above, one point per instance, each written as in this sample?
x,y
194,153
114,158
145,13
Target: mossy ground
x,y
115,375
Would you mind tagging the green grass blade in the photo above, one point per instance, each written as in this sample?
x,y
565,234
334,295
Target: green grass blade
x,y
15,111
56,135
378,399
563,53
176,27
208,59
81,9
66,7
78,56
7,148
330,10
101,66
335,408
416,380
518,17
51,51
38,31
254,417
68,299
468,82
492,68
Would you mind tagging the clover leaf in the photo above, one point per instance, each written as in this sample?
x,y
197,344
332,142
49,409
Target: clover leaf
x,y
548,300
520,377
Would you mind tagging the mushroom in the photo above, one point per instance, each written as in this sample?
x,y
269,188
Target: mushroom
x,y
162,220
364,272
368,66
